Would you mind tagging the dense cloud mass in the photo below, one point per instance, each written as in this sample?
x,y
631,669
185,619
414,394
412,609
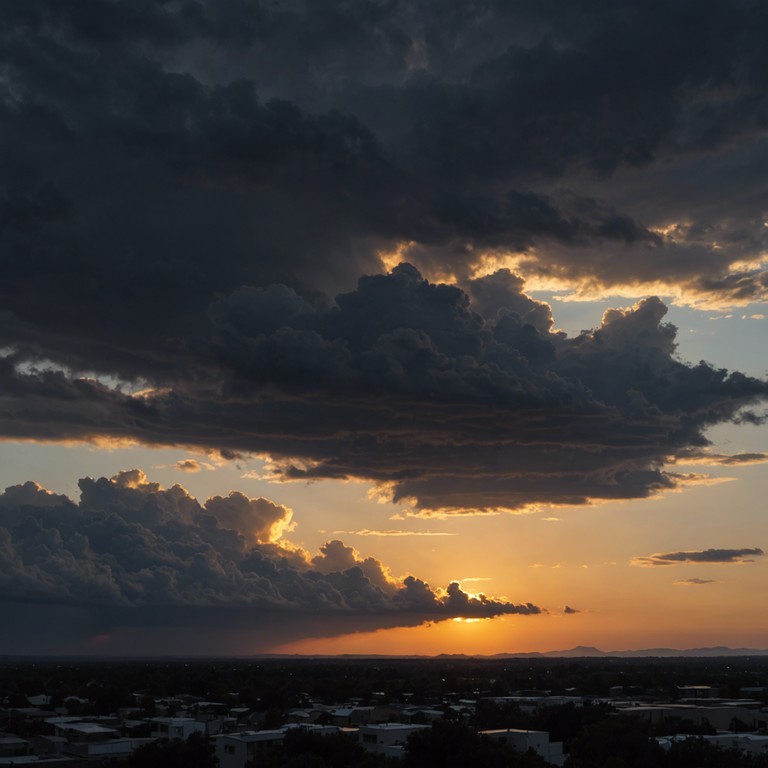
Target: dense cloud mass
x,y
401,383
133,549
717,556
190,191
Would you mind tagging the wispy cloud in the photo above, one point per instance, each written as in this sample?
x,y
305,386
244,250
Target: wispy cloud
x,y
393,532
190,466
710,556
694,582
719,459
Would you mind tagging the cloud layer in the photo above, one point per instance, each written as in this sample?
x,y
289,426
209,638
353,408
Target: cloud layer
x,y
189,193
707,556
603,147
133,550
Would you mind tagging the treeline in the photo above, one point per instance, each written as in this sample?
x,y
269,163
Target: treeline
x,y
279,683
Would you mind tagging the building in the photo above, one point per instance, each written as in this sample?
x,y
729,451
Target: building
x,y
720,717
697,692
386,738
523,740
234,750
13,746
111,749
175,727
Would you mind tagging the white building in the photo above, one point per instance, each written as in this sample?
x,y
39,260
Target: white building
x,y
175,727
114,749
522,740
386,738
234,750
85,732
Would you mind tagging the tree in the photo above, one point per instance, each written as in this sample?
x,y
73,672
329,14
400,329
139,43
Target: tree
x,y
303,749
617,741
450,745
699,753
196,752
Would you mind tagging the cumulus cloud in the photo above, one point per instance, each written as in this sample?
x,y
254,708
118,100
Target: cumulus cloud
x,y
712,556
260,520
568,610
31,494
133,549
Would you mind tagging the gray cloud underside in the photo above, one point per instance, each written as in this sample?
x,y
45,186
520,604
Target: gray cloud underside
x,y
717,556
399,382
130,553
88,629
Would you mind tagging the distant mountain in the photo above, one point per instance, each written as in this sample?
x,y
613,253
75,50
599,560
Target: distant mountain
x,y
583,651
579,652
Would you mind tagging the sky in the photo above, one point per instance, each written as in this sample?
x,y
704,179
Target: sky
x,y
386,326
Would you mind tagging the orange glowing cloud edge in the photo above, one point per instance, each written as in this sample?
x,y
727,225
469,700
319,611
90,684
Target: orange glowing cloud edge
x,y
574,288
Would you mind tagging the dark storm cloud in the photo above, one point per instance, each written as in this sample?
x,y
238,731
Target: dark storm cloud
x,y
401,383
130,544
154,154
183,184
706,556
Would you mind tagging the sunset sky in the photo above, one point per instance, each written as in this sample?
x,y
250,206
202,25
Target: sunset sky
x,y
383,326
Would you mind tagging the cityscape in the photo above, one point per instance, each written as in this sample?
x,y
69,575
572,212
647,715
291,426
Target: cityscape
x,y
383,382
449,711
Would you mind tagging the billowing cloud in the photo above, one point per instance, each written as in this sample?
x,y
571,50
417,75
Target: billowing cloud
x,y
401,383
132,550
710,556
31,494
260,520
